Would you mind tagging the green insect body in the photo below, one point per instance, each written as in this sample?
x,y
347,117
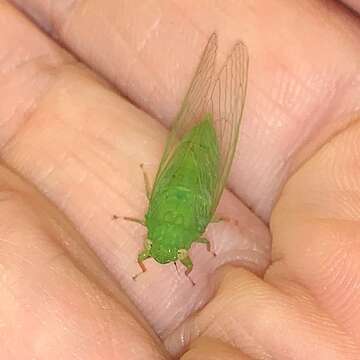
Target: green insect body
x,y
180,205
197,159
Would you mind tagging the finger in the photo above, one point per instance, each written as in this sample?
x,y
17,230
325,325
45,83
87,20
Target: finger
x,y
265,322
303,78
319,216
354,4
81,145
210,349
56,299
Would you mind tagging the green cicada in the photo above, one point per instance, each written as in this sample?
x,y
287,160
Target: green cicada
x,y
197,159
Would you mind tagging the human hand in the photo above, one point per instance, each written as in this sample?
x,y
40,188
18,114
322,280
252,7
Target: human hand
x,y
71,149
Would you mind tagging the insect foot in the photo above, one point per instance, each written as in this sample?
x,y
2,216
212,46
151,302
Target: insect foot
x,y
142,266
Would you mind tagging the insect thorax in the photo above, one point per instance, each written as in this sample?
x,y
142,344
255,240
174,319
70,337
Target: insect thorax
x,y
182,200
174,221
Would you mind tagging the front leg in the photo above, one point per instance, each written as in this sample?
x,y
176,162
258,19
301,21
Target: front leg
x,y
146,181
217,219
184,258
143,255
205,241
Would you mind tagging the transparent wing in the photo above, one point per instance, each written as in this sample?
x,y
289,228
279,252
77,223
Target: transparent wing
x,y
223,97
226,103
194,104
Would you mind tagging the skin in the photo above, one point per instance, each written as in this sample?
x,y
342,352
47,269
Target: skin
x,y
71,148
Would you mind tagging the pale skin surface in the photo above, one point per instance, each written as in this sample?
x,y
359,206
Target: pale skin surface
x,y
71,147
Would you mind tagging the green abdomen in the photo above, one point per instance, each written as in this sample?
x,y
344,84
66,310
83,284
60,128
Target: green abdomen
x,y
181,203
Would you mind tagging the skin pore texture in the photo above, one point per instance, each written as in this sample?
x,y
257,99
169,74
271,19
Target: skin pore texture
x,y
88,90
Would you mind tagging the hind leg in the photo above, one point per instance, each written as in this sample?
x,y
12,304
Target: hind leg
x,y
184,258
142,256
146,181
205,241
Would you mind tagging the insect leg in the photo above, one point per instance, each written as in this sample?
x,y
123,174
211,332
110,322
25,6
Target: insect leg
x,y
224,218
147,189
217,219
146,181
205,241
141,222
143,255
186,261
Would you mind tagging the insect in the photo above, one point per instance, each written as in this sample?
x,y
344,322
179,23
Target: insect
x,y
197,159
